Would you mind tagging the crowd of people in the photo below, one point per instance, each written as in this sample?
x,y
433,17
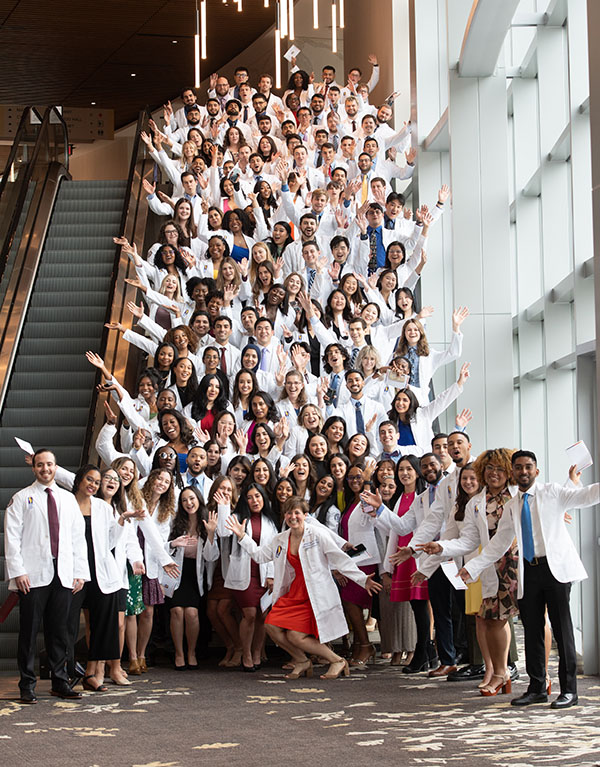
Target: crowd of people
x,y
279,468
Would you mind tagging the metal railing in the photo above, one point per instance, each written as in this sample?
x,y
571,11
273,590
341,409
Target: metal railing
x,y
41,166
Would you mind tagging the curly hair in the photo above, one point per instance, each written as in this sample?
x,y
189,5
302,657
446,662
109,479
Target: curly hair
x,y
132,491
190,335
499,456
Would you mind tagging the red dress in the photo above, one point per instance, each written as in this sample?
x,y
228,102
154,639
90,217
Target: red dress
x,y
402,590
251,596
293,610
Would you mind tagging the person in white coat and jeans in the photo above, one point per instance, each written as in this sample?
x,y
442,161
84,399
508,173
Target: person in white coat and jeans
x,y
316,554
548,564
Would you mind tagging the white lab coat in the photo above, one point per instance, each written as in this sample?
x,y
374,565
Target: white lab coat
x,y
238,566
551,501
106,533
27,538
462,539
318,554
206,553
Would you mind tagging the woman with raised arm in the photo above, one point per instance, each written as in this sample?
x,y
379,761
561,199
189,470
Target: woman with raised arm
x,y
306,614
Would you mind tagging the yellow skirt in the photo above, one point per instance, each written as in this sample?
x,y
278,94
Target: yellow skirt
x,y
473,595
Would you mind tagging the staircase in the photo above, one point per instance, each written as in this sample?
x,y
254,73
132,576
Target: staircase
x,y
51,387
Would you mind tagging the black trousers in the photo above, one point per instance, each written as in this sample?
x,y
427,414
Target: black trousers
x,y
441,598
541,589
423,622
51,604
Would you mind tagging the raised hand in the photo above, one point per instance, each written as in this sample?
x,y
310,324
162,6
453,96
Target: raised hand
x,y
237,528
148,187
137,284
410,155
115,326
443,194
372,59
210,524
241,440
220,498
139,438
464,374
212,81
137,311
334,271
111,416
458,317
202,435
371,499
463,418
95,360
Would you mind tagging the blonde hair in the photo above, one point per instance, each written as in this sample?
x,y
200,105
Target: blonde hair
x,y
237,278
163,290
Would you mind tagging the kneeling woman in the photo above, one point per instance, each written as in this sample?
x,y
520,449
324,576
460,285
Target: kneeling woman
x,y
307,612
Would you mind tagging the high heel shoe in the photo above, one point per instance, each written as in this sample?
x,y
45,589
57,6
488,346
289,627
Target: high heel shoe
x,y
417,665
228,656
548,685
88,686
362,662
341,667
301,669
505,685
134,667
143,666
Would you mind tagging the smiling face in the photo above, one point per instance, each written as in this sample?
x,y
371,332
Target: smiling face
x,y
283,491
238,473
355,480
406,473
311,418
468,482
126,472
180,341
401,403
324,487
110,484
259,408
318,448
162,482
90,483
338,469
189,501
387,488
357,446
301,470
167,458
170,426
260,472
335,432
183,370
249,360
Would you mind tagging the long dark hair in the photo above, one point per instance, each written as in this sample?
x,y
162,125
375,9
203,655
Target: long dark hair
x,y
277,508
199,404
270,486
415,463
186,395
346,311
186,434
329,422
272,412
181,521
179,262
235,397
412,409
242,509
247,225
461,497
320,510
176,473
81,472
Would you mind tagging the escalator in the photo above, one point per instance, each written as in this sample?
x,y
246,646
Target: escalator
x,y
71,281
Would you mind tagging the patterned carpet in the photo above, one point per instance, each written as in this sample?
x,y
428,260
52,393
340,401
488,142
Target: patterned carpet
x,y
225,717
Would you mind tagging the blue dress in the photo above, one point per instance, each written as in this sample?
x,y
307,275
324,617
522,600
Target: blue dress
x,y
238,254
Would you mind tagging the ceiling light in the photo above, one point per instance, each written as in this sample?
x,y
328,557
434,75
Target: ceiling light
x,y
133,74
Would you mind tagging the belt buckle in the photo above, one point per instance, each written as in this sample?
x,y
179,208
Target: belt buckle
x,y
534,562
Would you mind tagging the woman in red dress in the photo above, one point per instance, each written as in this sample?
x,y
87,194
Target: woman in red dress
x,y
292,623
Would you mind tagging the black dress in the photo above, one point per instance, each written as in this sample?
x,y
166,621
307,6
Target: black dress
x,y
103,611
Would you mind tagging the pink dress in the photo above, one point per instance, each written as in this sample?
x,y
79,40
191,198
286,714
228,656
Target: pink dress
x,y
402,590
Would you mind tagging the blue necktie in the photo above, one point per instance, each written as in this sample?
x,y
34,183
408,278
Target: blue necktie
x,y
353,356
527,529
193,482
360,421
312,273
335,383
432,489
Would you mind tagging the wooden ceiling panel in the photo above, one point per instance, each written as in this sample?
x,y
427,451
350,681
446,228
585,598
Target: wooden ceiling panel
x,y
73,52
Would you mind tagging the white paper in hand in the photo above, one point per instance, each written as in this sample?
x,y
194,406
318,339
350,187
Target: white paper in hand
x,y
579,456
266,601
291,53
451,572
25,446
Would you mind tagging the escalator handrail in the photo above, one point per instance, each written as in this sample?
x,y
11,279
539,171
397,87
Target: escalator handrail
x,y
23,123
22,278
119,356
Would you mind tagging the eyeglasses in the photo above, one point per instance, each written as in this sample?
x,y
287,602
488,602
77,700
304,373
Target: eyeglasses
x,y
111,478
166,455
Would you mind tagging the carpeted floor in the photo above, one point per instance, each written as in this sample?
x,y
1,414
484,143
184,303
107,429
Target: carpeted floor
x,y
225,717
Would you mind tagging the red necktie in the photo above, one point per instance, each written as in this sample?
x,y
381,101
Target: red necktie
x,y
223,360
53,523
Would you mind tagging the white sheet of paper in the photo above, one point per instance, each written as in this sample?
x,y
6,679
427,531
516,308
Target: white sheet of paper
x,y
25,446
291,52
451,572
266,601
579,456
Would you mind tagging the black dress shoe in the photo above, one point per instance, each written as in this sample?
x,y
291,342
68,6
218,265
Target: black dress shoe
x,y
28,696
565,700
513,671
248,669
528,698
415,668
65,692
467,673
